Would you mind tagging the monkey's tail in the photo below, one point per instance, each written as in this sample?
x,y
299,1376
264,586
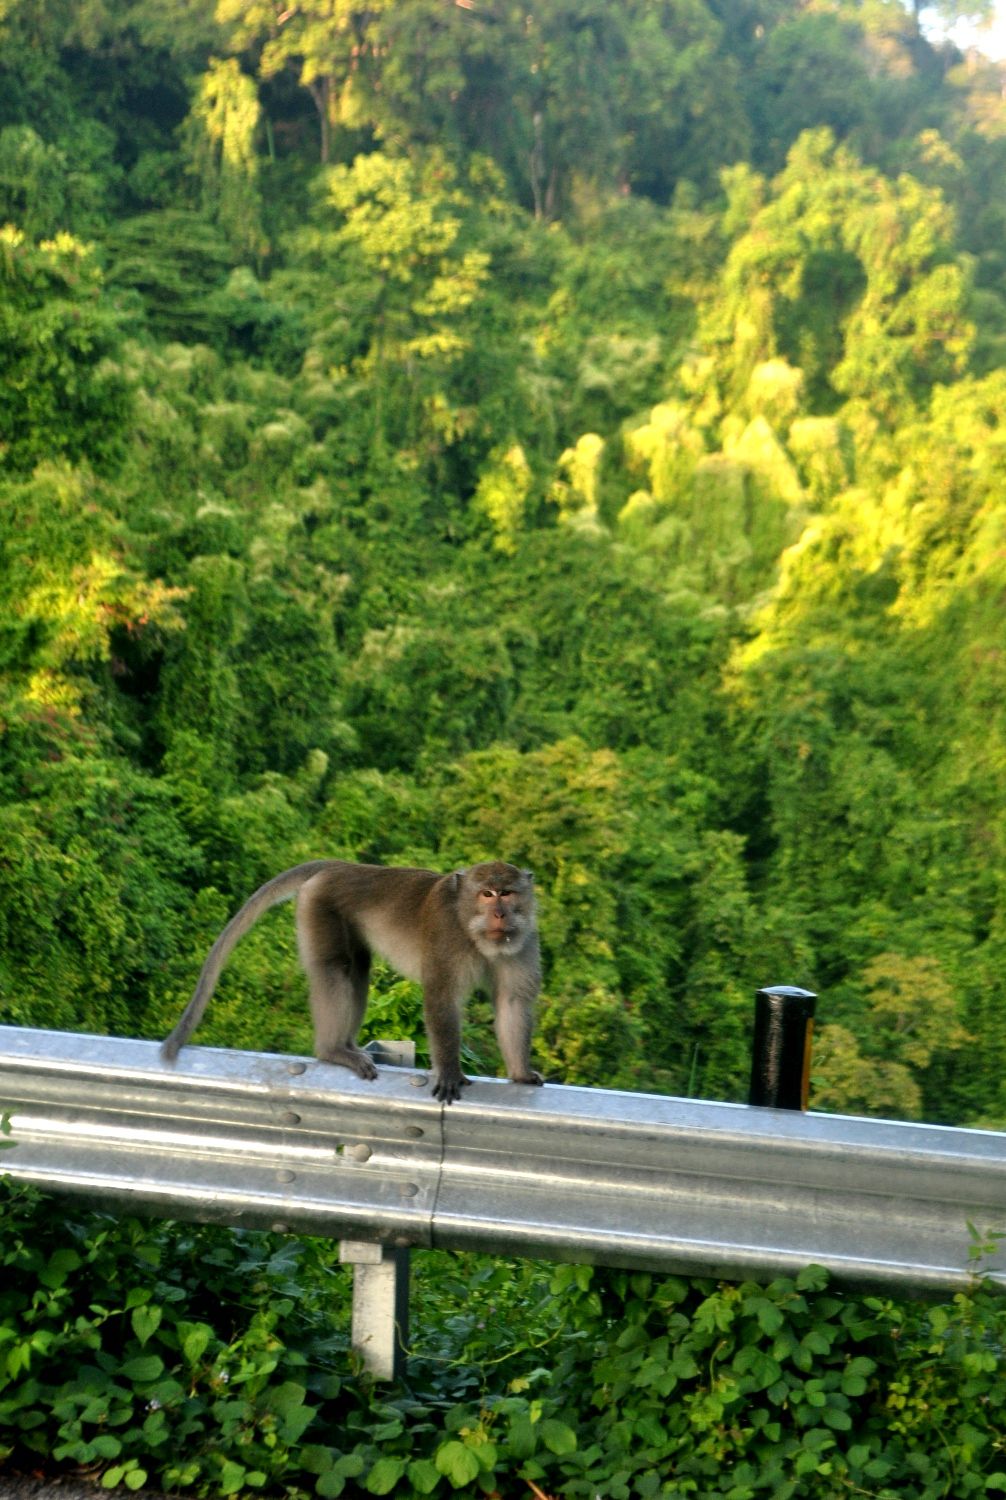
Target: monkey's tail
x,y
280,888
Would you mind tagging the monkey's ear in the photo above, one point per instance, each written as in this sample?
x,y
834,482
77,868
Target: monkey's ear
x,y
528,875
456,878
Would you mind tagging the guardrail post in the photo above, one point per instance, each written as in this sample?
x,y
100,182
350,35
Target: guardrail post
x,y
781,1047
380,1329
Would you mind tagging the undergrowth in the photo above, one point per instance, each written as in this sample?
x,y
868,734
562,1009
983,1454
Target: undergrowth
x,y
211,1361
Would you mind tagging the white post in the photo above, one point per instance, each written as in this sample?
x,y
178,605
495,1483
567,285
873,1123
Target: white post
x,y
380,1330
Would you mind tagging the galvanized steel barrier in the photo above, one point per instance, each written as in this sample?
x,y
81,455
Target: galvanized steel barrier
x,y
593,1175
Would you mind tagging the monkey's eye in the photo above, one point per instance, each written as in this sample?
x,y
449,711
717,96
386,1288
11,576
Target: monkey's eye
x,y
487,894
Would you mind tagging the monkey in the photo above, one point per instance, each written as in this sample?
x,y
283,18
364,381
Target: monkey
x,y
452,933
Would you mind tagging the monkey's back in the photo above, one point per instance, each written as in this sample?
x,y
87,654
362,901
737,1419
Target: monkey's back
x,y
359,887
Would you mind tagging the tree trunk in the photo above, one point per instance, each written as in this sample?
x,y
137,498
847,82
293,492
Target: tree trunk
x,y
321,93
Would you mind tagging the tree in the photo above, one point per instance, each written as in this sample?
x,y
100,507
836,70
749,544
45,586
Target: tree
x,y
812,70
911,1013
61,390
220,135
847,276
327,42
419,345
32,182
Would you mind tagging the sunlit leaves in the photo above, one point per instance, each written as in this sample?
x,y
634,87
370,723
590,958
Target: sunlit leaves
x,y
849,277
61,392
220,138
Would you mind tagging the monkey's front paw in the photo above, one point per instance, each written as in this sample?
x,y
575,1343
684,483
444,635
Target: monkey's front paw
x,y
529,1077
448,1086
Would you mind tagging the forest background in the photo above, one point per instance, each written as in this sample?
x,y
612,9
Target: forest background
x,y
569,432
574,432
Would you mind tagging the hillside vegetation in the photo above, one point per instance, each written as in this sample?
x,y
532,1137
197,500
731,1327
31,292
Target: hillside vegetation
x,y
566,432
571,432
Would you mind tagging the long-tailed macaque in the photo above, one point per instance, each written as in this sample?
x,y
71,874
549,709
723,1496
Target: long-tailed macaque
x,y
452,933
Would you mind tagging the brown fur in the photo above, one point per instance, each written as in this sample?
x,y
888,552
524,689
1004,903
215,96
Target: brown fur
x,y
451,933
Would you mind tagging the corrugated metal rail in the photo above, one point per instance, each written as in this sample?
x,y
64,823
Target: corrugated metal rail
x,y
565,1173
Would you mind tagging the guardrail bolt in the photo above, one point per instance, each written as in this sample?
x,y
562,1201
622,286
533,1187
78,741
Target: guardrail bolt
x,y
781,1047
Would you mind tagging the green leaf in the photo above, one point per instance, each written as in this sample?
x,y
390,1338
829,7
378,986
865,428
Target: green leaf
x,y
315,1458
383,1432
557,1437
59,1267
287,1401
143,1368
485,1452
879,1468
521,1440
350,1465
770,1318
146,1321
195,1338
286,1398
457,1462
130,1474
423,1475
232,1477
331,1484
384,1476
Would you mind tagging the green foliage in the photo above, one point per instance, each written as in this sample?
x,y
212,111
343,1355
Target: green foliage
x,y
176,262
221,142
94,896
596,461
418,349
32,182
910,1014
61,392
212,1361
813,70
789,1388
847,276
510,486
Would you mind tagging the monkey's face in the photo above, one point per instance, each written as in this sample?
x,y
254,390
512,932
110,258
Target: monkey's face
x,y
502,907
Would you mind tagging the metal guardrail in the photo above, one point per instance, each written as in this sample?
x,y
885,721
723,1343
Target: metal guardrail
x,y
592,1175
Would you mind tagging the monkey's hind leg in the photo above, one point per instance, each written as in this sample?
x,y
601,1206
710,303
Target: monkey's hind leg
x,y
337,966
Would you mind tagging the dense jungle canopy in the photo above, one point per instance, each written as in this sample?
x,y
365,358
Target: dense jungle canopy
x,y
571,432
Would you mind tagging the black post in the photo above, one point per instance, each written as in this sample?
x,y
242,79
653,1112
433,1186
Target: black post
x,y
780,1060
